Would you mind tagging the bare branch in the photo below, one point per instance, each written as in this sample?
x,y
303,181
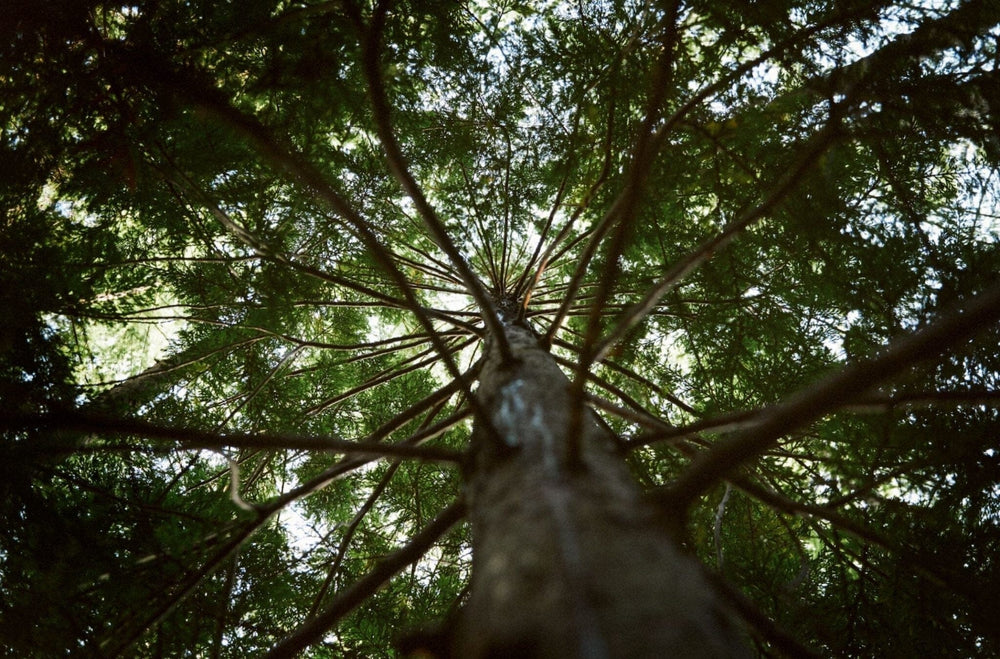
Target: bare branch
x,y
345,602
369,504
931,570
193,438
632,375
832,393
147,68
113,647
814,148
129,387
386,376
398,166
865,404
348,535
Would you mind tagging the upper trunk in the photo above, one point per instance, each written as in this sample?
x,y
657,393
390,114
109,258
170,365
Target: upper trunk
x,y
570,562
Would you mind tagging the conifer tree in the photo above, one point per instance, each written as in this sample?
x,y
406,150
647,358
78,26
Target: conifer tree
x,y
608,328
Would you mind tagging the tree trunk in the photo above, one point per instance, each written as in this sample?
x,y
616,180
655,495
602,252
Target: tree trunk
x,y
570,562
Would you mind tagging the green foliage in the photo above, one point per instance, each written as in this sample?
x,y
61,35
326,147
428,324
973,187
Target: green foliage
x,y
202,230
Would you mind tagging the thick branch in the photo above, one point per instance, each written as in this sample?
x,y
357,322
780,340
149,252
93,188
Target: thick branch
x,y
832,393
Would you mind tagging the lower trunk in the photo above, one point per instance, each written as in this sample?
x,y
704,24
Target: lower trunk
x,y
570,562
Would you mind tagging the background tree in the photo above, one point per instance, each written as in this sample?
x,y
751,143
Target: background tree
x,y
253,253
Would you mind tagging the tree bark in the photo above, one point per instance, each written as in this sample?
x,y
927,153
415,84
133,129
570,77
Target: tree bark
x,y
569,561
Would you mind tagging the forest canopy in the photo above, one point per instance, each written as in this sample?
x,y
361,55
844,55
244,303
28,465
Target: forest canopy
x,y
253,255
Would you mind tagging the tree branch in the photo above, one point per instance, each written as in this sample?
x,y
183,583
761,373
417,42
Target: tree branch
x,y
192,438
812,150
398,166
832,393
346,601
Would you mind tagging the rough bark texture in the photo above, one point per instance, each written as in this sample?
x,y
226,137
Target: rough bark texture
x,y
570,562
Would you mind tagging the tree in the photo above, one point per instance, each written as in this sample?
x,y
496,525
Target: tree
x,y
582,329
